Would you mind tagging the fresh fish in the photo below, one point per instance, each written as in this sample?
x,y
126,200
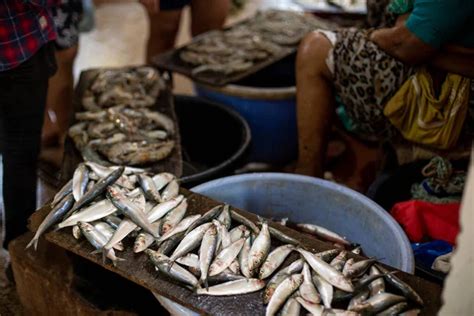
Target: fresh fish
x,y
233,288
328,255
225,276
97,240
174,217
224,217
168,245
314,308
239,232
191,260
325,289
223,236
161,209
307,289
323,233
378,303
206,252
98,189
358,298
206,217
284,238
282,292
76,232
181,227
54,215
281,275
129,209
394,310
327,272
149,188
171,191
112,220
190,241
338,262
402,286
106,230
144,240
260,249
358,268
79,181
347,266
378,285
243,257
244,220
65,190
162,179
123,230
291,308
90,184
274,260
225,257
91,213
174,271
234,267
366,280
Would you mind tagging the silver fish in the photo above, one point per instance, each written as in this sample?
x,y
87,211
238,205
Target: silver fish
x,y
171,191
161,209
243,257
91,213
244,220
65,190
225,257
260,249
378,303
358,298
325,289
206,217
224,217
328,255
394,310
281,236
162,179
76,232
54,215
190,260
123,230
234,267
190,241
358,268
225,276
274,260
112,220
206,252
149,188
79,181
338,262
307,289
175,271
90,184
378,285
282,292
327,272
402,286
233,288
291,308
181,227
323,233
168,245
223,236
107,230
239,232
174,217
314,308
129,209
144,240
97,240
281,275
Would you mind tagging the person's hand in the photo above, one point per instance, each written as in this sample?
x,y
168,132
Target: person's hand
x,y
153,6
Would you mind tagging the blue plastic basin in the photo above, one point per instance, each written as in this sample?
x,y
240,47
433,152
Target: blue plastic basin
x,y
312,200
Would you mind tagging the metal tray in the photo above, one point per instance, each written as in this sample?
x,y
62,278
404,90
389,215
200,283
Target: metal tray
x,y
164,104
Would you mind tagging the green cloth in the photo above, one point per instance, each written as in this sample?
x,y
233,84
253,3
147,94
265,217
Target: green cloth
x,y
439,22
400,7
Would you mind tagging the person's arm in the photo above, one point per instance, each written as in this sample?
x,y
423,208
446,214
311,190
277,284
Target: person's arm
x,y
454,62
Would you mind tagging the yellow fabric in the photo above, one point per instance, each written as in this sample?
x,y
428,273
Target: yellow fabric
x,y
423,119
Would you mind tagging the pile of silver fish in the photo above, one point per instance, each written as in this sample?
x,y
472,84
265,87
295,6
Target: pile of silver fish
x,y
118,127
222,252
240,47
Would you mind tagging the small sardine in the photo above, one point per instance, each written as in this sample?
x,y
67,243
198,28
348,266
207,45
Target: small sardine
x,y
161,209
339,262
377,286
223,236
79,181
191,260
225,257
238,232
107,230
407,290
234,267
181,227
244,220
325,289
97,239
314,308
225,276
91,213
282,292
358,268
243,257
233,288
149,188
281,275
281,236
112,220
168,245
162,179
190,241
65,190
274,260
377,303
54,216
174,271
174,217
76,232
171,191
206,217
224,217
206,252
323,233
358,298
260,249
145,240
328,255
307,289
291,308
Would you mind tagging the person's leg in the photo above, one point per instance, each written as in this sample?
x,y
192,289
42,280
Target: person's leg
x,y
164,27
208,15
315,103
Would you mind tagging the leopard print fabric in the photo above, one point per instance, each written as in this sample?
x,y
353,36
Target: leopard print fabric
x,y
365,78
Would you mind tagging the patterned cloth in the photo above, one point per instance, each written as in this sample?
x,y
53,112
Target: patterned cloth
x,y
25,26
67,17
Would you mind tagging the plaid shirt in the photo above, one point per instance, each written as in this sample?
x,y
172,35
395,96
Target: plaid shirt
x,y
25,26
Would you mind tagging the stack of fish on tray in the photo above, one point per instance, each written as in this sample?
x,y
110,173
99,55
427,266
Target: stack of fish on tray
x,y
221,252
240,47
118,124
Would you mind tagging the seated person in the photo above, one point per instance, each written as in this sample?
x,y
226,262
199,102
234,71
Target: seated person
x,y
366,68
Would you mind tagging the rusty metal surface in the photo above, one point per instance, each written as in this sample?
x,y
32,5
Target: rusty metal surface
x,y
137,268
171,61
164,104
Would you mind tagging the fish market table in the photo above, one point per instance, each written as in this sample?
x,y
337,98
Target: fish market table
x,y
139,269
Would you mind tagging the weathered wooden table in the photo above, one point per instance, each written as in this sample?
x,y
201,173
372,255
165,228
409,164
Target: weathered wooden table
x,y
138,269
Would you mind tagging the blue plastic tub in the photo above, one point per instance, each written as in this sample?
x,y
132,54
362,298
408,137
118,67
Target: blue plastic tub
x,y
312,200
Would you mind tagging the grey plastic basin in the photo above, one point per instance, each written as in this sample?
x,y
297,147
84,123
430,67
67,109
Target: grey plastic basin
x,y
311,200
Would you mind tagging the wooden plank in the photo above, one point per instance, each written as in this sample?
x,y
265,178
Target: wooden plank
x,y
164,104
137,268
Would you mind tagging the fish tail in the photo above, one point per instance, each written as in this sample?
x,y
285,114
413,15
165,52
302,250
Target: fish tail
x,y
33,242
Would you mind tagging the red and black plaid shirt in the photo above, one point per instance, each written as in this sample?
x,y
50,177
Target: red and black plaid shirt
x,y
25,26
